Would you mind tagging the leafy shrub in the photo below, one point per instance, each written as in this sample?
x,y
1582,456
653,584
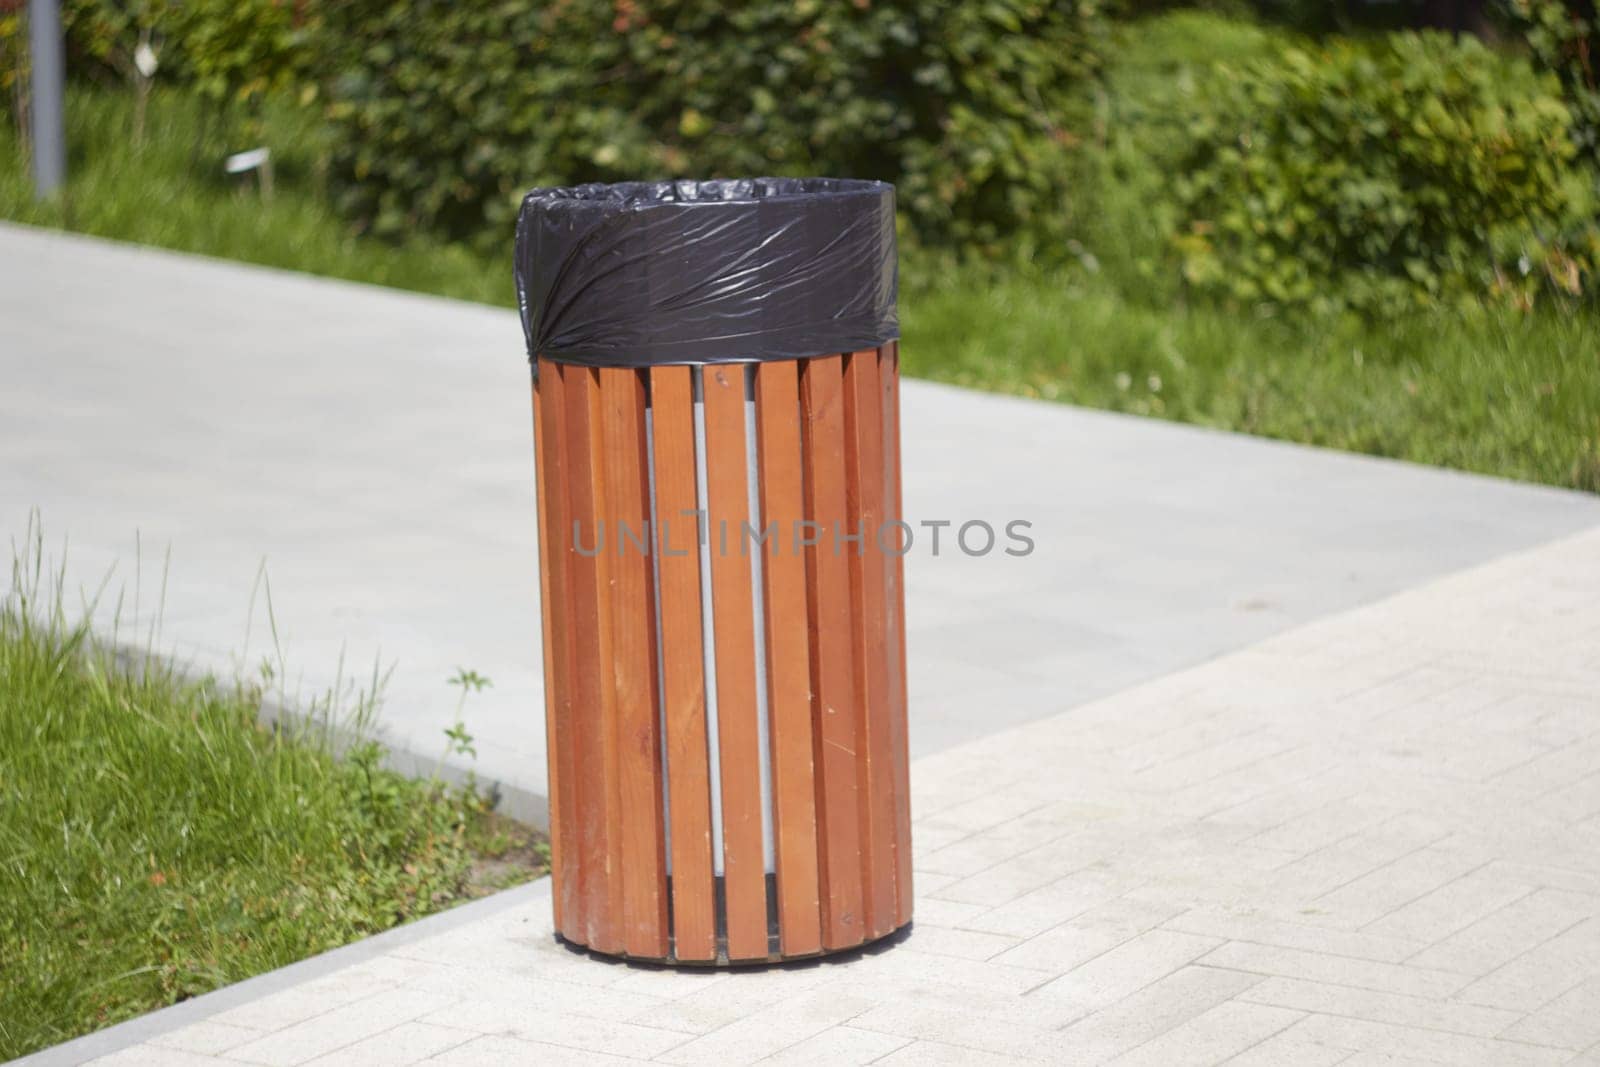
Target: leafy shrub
x,y
101,35
1381,178
227,50
1154,74
446,112
1564,38
14,62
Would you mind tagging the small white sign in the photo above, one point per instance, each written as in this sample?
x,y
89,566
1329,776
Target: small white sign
x,y
240,162
144,60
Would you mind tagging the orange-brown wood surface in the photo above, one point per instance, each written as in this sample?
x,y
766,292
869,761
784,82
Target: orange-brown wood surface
x,y
866,499
565,863
641,872
733,622
553,786
626,666
683,665
834,712
895,601
788,658
593,690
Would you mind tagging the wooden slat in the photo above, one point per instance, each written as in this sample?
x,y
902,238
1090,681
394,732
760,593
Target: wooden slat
x,y
552,774
638,835
683,665
832,657
894,572
550,424
593,691
787,658
733,621
865,498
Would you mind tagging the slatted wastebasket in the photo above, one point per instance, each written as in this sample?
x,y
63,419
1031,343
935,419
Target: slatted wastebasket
x,y
716,384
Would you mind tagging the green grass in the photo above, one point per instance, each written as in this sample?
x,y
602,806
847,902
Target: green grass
x,y
170,190
157,841
1499,392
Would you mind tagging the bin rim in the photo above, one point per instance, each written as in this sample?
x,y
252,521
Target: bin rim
x,y
724,270
684,192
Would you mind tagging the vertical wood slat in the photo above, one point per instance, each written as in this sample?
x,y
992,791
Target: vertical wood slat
x,y
641,849
683,665
733,619
889,368
866,498
593,691
547,629
832,658
787,658
555,588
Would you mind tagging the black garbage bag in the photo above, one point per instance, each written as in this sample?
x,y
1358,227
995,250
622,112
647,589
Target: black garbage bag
x,y
640,274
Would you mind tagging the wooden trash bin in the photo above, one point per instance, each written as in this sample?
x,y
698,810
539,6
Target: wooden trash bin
x,y
721,571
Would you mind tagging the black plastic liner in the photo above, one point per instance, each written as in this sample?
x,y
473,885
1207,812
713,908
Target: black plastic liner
x,y
640,274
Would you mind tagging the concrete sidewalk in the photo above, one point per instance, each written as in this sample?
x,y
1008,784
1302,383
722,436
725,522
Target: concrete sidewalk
x,y
1373,840
373,449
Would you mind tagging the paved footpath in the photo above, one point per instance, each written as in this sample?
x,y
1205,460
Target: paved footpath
x,y
1373,839
372,449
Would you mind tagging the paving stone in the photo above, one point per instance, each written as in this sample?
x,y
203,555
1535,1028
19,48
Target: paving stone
x,y
1224,1031
770,1030
1374,896
1395,1008
557,1026
344,1025
1266,930
287,1007
842,1045
534,996
1572,1020
1051,905
1543,972
207,1037
722,1003
1285,1048
967,944
1436,1046
934,1054
1454,906
1336,970
500,1050
405,1044
1152,1011
1502,936
1080,939
949,1025
1125,969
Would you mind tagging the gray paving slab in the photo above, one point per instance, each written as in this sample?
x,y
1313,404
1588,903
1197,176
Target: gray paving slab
x,y
372,449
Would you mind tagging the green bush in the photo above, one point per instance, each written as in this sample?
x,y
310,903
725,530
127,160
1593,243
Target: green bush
x,y
226,50
1417,170
446,112
1564,38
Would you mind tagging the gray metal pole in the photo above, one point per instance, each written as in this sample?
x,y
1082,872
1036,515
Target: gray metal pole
x,y
49,69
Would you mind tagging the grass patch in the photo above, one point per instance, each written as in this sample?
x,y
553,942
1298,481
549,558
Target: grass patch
x,y
1499,392
169,190
158,841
